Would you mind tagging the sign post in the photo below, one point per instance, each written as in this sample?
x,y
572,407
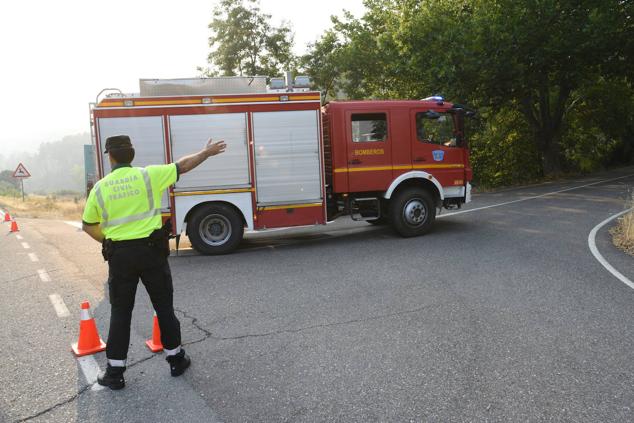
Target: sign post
x,y
21,172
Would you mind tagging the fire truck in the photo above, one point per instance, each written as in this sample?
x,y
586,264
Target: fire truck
x,y
289,160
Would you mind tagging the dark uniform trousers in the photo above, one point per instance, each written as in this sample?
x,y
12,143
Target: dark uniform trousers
x,y
131,260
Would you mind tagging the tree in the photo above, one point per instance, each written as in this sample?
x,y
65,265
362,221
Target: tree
x,y
323,63
244,42
534,57
6,176
541,72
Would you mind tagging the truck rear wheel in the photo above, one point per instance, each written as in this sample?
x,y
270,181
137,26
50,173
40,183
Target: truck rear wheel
x,y
412,212
215,229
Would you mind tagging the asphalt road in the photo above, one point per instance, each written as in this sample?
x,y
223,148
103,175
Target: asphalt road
x,y
500,314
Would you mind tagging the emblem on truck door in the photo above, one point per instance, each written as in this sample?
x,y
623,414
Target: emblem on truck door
x,y
439,155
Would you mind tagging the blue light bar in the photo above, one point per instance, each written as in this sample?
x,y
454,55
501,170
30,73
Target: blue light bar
x,y
434,98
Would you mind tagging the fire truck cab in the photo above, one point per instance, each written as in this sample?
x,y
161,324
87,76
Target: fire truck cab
x,y
289,161
391,160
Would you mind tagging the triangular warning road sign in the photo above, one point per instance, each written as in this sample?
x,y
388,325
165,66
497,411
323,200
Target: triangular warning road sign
x,y
21,172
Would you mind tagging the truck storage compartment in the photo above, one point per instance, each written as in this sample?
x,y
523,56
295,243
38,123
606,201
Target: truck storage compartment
x,y
147,136
287,157
188,134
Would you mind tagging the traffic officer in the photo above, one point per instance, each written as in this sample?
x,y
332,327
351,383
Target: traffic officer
x,y
123,211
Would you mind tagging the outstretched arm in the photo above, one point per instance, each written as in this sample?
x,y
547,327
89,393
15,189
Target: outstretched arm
x,y
187,163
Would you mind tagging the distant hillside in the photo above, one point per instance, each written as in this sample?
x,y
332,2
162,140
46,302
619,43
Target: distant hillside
x,y
58,165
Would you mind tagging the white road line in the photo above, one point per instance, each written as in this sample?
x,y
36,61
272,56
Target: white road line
x,y
43,274
59,305
73,223
96,387
19,237
89,368
26,245
593,248
33,257
534,197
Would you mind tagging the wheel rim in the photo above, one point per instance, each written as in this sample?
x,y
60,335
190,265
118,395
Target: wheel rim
x,y
215,229
415,212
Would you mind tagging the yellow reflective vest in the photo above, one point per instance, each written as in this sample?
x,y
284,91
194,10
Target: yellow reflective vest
x,y
127,201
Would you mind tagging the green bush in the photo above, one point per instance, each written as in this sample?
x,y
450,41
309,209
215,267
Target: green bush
x,y
501,150
8,190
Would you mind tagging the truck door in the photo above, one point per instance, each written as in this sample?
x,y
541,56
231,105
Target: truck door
x,y
369,151
435,149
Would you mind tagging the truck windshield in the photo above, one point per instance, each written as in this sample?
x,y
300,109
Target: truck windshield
x,y
436,130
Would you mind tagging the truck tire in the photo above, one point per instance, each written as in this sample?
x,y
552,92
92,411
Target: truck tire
x,y
412,212
215,229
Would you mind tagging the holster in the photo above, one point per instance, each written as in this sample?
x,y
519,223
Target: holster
x,y
107,248
160,238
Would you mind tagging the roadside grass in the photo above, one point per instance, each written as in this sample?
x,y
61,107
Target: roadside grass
x,y
623,232
67,207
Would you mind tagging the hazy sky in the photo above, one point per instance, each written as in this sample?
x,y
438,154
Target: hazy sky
x,y
58,55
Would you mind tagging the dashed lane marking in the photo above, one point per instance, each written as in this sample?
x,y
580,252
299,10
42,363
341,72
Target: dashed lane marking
x,y
19,237
73,223
90,369
59,305
43,274
33,257
595,251
96,387
25,245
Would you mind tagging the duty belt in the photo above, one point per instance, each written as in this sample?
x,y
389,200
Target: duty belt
x,y
131,242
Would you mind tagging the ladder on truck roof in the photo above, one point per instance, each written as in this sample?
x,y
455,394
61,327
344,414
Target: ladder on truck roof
x,y
223,85
203,86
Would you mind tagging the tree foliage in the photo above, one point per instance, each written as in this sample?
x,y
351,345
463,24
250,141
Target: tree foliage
x,y
552,78
8,184
244,42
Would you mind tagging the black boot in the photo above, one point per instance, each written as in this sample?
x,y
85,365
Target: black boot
x,y
178,363
112,377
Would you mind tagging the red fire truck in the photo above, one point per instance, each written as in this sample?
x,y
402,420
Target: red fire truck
x,y
289,161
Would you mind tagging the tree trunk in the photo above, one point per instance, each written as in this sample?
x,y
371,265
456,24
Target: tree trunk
x,y
550,151
546,126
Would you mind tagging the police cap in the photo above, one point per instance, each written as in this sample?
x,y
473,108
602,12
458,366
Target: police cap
x,y
117,142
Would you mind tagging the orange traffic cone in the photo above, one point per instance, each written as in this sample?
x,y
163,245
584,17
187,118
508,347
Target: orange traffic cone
x,y
89,341
14,226
7,217
155,344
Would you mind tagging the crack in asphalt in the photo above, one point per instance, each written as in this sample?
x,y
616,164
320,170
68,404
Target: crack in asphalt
x,y
48,410
77,395
194,322
210,335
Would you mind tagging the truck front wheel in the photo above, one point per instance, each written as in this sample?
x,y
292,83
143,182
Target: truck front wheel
x,y
215,229
412,212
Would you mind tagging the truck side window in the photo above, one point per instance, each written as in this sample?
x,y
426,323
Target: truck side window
x,y
369,127
435,129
